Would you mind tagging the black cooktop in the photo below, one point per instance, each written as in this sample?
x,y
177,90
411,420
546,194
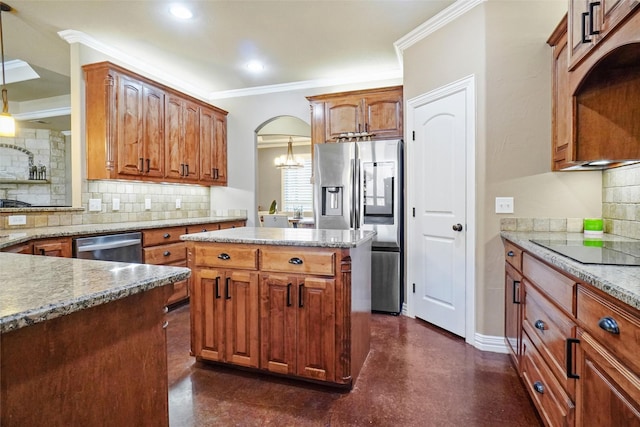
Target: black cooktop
x,y
596,251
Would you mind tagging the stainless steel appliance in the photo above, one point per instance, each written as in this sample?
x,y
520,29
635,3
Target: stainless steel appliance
x,y
125,247
359,186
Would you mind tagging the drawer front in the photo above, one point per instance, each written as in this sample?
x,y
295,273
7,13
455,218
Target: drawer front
x,y
226,256
554,284
161,236
231,224
554,405
549,328
201,228
165,254
594,310
299,261
513,255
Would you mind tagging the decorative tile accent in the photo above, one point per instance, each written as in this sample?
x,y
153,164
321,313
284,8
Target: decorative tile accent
x,y
621,201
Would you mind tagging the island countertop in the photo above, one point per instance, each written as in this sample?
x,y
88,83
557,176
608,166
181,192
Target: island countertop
x,y
285,237
34,289
621,282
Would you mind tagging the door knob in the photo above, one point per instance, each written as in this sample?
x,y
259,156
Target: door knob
x,y
457,227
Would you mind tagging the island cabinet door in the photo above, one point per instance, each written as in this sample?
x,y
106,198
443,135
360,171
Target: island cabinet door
x,y
316,324
241,320
278,308
207,314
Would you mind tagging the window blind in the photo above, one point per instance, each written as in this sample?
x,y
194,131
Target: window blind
x,y
296,186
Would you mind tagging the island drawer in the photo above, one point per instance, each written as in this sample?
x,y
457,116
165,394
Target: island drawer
x,y
299,260
557,286
612,326
201,228
160,236
225,256
165,254
513,255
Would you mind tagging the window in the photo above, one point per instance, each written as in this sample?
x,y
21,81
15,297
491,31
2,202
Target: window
x,y
296,186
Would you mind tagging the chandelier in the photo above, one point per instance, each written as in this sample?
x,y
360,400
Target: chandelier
x,y
7,122
288,161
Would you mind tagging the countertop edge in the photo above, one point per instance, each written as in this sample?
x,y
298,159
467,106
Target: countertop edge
x,y
598,276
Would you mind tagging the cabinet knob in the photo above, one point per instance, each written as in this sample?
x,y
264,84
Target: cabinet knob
x,y
166,253
540,325
510,253
610,325
223,256
166,235
538,387
295,260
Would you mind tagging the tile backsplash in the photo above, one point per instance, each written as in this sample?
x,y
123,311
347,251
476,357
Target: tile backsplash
x,y
621,201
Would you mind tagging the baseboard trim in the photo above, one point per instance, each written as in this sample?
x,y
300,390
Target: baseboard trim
x,y
494,344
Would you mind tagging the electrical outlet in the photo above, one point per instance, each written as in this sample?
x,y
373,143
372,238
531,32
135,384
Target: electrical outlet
x,y
504,204
95,205
178,203
147,204
116,204
17,219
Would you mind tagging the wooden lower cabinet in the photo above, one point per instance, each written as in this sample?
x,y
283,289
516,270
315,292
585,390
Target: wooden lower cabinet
x,y
225,307
60,247
298,325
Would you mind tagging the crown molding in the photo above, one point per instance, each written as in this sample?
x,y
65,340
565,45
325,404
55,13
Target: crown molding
x,y
457,9
41,114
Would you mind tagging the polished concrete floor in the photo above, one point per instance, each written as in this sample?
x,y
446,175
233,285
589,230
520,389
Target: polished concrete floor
x,y
415,375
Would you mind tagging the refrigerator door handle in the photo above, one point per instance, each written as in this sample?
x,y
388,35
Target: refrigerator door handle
x,y
355,200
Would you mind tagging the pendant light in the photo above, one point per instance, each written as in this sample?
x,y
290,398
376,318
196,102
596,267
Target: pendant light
x,y
288,161
7,123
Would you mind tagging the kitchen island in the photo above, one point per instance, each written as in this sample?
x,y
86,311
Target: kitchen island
x,y
83,342
293,302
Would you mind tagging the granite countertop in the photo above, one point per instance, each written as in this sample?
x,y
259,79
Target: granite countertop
x,y
621,282
285,237
15,236
34,289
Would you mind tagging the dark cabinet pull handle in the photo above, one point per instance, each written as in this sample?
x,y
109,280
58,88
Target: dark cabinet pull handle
x,y
569,358
538,387
166,235
295,260
592,6
583,27
540,325
510,254
181,169
224,256
300,293
43,251
516,289
216,174
610,325
141,164
226,288
166,253
148,165
204,230
186,169
289,294
218,287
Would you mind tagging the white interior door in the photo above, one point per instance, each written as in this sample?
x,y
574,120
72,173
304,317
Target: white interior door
x,y
437,241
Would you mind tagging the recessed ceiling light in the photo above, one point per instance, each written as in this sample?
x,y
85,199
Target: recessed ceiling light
x,y
180,11
255,66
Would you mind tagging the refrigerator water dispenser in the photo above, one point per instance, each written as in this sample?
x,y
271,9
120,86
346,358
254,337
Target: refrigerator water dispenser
x,y
332,201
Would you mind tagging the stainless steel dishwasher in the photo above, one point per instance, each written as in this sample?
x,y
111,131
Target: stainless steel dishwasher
x,y
125,247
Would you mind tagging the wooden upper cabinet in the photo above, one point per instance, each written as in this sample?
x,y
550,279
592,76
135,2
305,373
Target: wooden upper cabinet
x,y
213,146
182,127
590,21
139,129
376,111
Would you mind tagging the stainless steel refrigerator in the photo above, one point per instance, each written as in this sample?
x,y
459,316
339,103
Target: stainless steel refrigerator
x,y
358,185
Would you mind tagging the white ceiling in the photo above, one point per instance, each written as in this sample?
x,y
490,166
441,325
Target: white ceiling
x,y
297,40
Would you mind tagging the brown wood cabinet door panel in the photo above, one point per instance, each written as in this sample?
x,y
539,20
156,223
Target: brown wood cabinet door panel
x,y
161,236
174,167
165,254
220,149
383,114
299,260
153,131
129,126
226,256
207,144
513,312
22,248
208,314
53,247
191,141
278,302
241,307
608,393
343,115
557,286
316,328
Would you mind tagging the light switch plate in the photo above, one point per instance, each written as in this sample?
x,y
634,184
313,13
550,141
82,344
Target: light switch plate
x,y
17,219
178,203
95,205
115,204
504,204
147,204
